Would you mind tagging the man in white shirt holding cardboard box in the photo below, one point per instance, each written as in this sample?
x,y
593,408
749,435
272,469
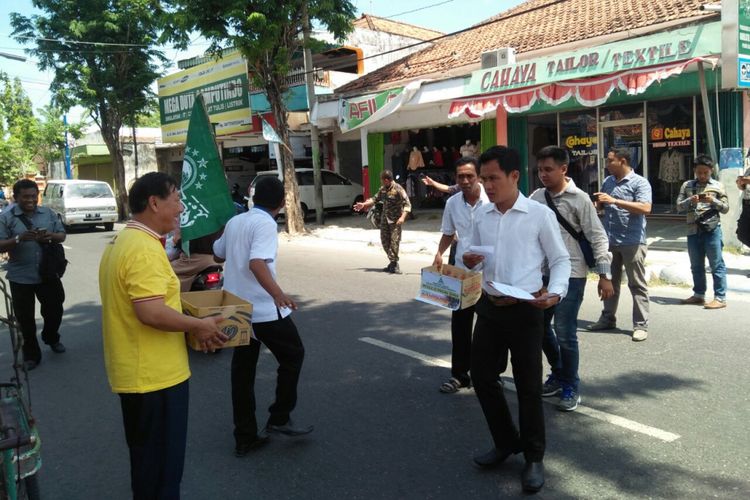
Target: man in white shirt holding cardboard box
x,y
458,218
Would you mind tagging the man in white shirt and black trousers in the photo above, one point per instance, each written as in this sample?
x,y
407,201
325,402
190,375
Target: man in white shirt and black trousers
x,y
522,234
250,246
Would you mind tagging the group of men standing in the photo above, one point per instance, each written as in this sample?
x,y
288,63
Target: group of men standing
x,y
545,245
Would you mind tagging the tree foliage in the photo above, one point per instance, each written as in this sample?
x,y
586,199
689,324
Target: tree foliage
x,y
110,73
26,139
268,33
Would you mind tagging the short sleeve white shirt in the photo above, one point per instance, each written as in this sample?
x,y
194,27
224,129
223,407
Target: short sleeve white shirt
x,y
458,218
248,236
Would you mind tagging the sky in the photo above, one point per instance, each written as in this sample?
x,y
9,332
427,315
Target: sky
x,y
442,15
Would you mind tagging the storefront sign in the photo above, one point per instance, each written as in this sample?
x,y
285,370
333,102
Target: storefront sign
x,y
355,112
743,44
670,137
661,48
224,85
581,145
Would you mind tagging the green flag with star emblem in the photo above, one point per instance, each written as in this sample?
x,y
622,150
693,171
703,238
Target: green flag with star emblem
x,y
206,202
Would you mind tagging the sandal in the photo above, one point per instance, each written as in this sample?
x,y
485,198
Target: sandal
x,y
453,385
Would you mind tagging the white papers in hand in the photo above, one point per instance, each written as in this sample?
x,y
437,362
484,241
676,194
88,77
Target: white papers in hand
x,y
503,290
483,250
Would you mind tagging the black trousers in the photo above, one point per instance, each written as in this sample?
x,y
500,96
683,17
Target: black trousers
x,y
51,296
156,432
462,324
517,329
282,339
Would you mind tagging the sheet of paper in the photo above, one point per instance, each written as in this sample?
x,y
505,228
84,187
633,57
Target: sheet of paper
x,y
504,290
483,250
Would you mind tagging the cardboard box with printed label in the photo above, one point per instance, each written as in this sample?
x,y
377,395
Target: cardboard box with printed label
x,y
451,288
237,313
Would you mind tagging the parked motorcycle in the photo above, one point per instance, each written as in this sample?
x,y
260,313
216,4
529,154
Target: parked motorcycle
x,y
211,278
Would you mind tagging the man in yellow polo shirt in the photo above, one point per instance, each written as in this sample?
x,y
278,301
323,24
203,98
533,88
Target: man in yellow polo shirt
x,y
144,342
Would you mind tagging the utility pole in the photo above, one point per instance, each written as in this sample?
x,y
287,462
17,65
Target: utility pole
x,y
311,100
68,174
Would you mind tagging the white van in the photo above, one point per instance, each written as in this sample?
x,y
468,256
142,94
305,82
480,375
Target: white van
x,y
80,202
339,193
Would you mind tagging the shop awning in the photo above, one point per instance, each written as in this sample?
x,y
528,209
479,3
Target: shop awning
x,y
588,92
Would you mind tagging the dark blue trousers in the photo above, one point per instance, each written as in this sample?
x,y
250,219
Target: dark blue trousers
x,y
156,432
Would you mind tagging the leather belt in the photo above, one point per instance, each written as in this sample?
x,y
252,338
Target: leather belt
x,y
509,301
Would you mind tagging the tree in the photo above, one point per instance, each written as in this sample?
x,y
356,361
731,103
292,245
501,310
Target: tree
x,y
49,144
269,35
18,130
104,58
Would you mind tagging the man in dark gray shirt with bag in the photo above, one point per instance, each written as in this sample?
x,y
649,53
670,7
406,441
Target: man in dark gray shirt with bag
x,y
577,218
23,231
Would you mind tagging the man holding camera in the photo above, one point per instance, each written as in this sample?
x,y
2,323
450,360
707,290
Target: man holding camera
x,y
704,198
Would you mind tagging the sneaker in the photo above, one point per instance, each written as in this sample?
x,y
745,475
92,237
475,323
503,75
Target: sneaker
x,y
600,325
639,335
551,387
569,399
695,299
716,304
395,269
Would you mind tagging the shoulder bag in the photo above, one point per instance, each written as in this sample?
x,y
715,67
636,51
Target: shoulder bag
x,y
586,248
53,263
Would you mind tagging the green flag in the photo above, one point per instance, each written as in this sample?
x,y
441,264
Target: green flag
x,y
206,202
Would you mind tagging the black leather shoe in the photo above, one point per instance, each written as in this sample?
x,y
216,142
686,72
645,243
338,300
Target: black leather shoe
x,y
289,429
30,364
532,477
57,347
493,458
242,449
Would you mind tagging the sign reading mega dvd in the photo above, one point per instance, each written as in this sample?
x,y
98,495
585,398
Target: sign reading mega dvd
x,y
224,86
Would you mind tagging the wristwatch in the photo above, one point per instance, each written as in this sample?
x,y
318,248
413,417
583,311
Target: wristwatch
x,y
18,239
606,276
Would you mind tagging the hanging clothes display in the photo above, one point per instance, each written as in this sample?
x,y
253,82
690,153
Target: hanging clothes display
x,y
415,159
671,166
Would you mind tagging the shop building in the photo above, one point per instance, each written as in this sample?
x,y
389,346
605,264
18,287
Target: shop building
x,y
591,76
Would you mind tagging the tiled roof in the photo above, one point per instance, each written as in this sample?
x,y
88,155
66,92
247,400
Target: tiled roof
x,y
375,23
532,25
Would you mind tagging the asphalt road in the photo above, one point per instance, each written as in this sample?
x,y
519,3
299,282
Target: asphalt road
x,y
666,418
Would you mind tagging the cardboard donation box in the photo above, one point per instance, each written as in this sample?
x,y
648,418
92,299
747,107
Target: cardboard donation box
x,y
238,315
453,288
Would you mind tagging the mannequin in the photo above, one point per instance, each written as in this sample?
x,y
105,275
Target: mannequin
x,y
437,157
415,159
468,149
671,169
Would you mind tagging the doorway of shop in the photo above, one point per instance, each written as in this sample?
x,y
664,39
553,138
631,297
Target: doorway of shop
x,y
623,134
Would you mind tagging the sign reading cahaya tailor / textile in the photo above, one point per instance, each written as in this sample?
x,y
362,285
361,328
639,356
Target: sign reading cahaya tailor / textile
x,y
224,86
684,43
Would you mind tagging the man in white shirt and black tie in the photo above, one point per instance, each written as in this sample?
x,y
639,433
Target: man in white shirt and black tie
x,y
522,234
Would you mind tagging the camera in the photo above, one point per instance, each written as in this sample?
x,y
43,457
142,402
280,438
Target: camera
x,y
594,197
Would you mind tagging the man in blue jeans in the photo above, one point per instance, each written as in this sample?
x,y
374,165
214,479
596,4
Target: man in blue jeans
x,y
560,345
704,198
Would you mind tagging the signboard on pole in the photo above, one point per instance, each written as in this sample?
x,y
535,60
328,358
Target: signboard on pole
x,y
735,44
224,86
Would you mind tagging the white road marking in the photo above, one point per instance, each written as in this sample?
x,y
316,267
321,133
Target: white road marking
x,y
625,423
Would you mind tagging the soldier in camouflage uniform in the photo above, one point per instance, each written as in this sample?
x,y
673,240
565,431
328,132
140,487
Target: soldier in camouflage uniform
x,y
396,206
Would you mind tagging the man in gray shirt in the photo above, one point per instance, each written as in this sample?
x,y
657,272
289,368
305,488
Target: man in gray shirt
x,y
626,199
577,211
23,231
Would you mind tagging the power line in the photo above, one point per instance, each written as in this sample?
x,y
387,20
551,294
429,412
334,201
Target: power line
x,y
80,42
418,9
